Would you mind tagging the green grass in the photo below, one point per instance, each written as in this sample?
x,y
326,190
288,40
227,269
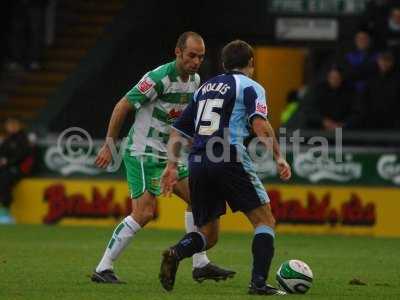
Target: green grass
x,y
38,262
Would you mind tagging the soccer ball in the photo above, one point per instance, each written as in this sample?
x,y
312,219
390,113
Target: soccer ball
x,y
294,276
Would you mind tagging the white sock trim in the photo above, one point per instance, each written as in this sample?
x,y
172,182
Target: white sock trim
x,y
189,222
199,259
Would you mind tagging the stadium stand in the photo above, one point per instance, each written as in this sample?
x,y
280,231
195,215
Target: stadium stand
x,y
79,25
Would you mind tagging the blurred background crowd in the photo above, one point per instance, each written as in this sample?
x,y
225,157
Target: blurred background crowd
x,y
357,85
353,84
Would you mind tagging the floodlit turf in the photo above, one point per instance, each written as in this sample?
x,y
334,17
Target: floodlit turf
x,y
39,262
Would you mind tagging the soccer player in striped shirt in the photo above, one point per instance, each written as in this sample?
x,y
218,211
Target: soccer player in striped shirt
x,y
158,99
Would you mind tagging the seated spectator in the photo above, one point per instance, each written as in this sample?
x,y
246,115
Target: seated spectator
x,y
16,160
379,104
360,63
386,31
392,33
328,104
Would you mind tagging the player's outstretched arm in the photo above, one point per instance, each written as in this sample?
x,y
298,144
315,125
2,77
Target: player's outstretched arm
x,y
263,129
118,116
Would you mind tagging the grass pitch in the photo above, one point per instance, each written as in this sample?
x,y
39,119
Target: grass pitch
x,y
38,262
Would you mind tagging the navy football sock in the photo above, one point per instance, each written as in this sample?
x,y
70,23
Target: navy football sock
x,y
263,252
190,244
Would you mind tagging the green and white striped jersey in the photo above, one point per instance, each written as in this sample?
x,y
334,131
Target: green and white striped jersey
x,y
159,98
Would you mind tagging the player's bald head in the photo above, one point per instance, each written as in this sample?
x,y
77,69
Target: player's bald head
x,y
184,37
189,52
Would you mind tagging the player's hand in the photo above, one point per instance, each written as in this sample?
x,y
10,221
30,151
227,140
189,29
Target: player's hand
x,y
104,157
329,124
284,169
168,179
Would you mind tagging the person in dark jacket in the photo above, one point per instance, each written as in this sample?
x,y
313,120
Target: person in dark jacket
x,y
328,104
16,160
360,63
393,35
379,105
386,31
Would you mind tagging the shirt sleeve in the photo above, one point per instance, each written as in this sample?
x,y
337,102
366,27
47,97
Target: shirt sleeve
x,y
255,102
185,124
146,90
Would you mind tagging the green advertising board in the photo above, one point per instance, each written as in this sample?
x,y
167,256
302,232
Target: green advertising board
x,y
351,167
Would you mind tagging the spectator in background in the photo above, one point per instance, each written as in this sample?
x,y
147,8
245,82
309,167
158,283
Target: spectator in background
x,y
379,104
360,63
386,30
329,104
392,30
291,116
16,160
26,37
393,34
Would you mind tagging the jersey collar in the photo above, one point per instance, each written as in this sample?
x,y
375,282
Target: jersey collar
x,y
235,72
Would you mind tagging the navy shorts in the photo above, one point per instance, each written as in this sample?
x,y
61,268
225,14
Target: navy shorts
x,y
213,184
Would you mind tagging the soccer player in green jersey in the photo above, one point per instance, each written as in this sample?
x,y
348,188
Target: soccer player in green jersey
x,y
158,99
